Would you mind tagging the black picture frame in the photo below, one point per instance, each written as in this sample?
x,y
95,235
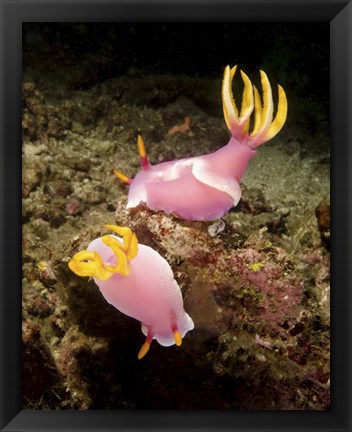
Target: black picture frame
x,y
13,14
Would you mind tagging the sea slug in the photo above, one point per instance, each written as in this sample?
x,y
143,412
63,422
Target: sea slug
x,y
137,281
206,187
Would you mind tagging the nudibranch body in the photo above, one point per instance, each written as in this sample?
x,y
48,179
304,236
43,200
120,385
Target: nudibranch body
x,y
206,187
137,281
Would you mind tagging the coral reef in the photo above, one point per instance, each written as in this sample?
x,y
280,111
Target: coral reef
x,y
256,283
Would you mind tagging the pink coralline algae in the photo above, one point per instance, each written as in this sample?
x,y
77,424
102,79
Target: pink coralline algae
x,y
206,187
278,292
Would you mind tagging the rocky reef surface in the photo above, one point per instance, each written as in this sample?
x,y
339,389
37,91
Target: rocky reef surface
x,y
256,283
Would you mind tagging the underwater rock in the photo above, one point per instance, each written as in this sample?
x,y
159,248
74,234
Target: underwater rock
x,y
252,348
73,207
253,201
39,372
216,228
322,213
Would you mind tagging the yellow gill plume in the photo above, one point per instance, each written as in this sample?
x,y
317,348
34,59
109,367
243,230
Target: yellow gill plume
x,y
89,263
239,122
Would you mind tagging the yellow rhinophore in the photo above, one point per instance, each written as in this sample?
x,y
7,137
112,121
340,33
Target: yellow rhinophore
x,y
122,177
178,338
141,147
144,349
144,161
142,153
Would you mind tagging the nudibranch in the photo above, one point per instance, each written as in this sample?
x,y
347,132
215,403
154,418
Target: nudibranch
x,y
138,282
206,187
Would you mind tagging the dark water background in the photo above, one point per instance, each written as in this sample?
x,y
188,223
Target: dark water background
x,y
294,53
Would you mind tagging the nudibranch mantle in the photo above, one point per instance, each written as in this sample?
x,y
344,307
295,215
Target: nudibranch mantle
x,y
138,282
206,187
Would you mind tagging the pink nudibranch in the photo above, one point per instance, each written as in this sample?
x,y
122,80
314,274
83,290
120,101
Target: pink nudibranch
x,y
138,282
206,187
